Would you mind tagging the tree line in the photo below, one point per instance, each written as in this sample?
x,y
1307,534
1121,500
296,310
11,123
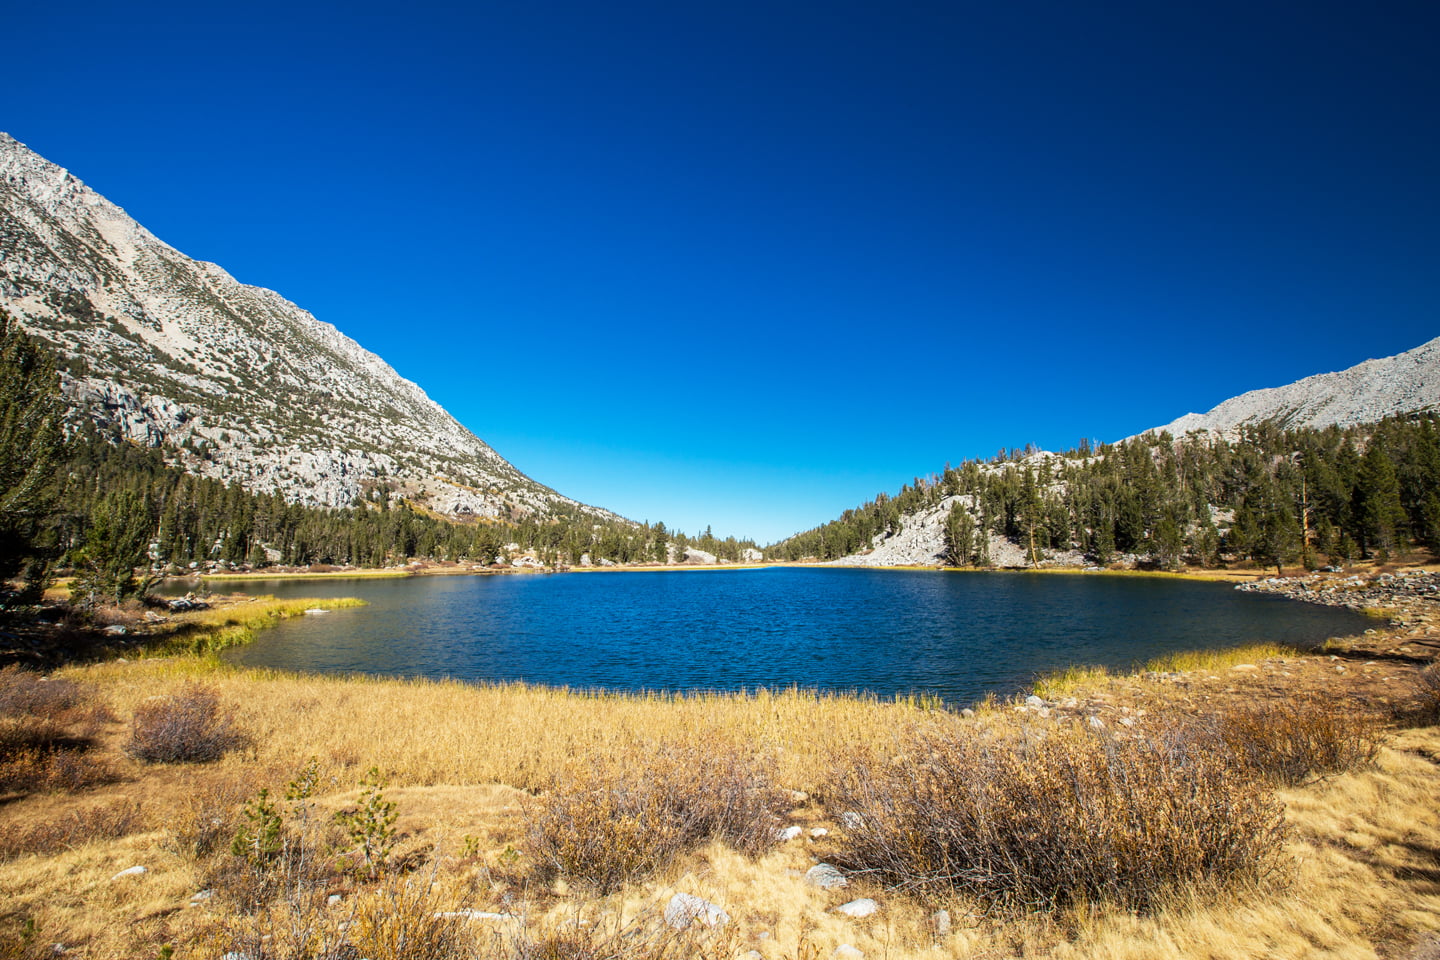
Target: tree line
x,y
1270,495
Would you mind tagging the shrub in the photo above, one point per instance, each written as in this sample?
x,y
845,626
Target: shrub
x,y
188,727
116,819
46,733
25,693
615,822
1424,708
1037,820
1296,740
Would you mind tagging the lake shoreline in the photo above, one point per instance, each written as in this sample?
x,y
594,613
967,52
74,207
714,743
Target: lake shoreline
x,y
465,809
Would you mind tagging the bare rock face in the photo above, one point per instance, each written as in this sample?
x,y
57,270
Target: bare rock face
x,y
241,382
1365,393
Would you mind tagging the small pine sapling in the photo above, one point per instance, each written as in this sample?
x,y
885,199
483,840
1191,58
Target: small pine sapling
x,y
372,826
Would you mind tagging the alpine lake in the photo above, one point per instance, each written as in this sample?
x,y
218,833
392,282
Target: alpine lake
x,y
952,635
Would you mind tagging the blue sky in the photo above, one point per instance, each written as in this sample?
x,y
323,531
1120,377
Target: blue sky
x,y
746,265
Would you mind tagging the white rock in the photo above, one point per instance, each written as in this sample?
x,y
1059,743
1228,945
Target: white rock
x,y
789,833
1244,667
333,899
941,919
863,907
1034,702
825,876
130,872
202,896
819,832
851,820
846,952
686,908
1095,722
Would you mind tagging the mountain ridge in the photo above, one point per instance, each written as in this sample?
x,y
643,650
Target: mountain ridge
x,y
1408,382
241,383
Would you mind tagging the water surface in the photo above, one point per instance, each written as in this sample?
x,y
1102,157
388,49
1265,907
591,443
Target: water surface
x,y
955,635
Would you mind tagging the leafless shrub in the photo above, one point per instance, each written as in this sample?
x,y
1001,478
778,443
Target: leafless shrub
x,y
1039,819
619,821
46,731
1423,710
188,727
25,693
106,821
1299,739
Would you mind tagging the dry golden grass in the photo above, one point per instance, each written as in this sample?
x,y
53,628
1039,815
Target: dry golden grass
x,y
465,763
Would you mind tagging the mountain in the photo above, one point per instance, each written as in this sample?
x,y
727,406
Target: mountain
x,y
239,382
1365,393
1218,494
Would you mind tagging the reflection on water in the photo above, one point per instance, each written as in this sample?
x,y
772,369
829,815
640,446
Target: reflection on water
x,y
957,635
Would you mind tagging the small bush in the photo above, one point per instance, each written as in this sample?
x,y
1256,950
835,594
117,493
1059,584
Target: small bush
x,y
613,823
1294,741
116,819
1424,708
189,727
46,729
1038,820
25,693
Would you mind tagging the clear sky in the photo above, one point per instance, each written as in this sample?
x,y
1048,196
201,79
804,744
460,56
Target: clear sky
x,y
748,264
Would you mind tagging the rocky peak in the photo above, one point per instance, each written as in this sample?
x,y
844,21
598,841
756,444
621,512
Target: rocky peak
x,y
1365,393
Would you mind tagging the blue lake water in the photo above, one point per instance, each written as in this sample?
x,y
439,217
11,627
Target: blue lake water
x,y
956,635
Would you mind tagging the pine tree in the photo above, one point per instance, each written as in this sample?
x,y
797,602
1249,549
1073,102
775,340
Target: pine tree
x,y
1382,517
31,443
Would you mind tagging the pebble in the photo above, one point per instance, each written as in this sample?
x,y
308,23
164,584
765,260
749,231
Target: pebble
x,y
846,952
789,833
130,872
819,832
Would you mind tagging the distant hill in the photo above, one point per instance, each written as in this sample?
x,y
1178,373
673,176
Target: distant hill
x,y
1365,393
240,383
1251,479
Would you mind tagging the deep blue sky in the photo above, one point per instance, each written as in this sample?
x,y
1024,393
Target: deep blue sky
x,y
748,264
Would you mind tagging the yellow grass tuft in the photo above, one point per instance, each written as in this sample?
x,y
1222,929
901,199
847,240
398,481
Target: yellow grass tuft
x,y
1214,660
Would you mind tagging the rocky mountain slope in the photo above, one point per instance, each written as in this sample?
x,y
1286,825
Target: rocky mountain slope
x,y
240,382
1365,393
